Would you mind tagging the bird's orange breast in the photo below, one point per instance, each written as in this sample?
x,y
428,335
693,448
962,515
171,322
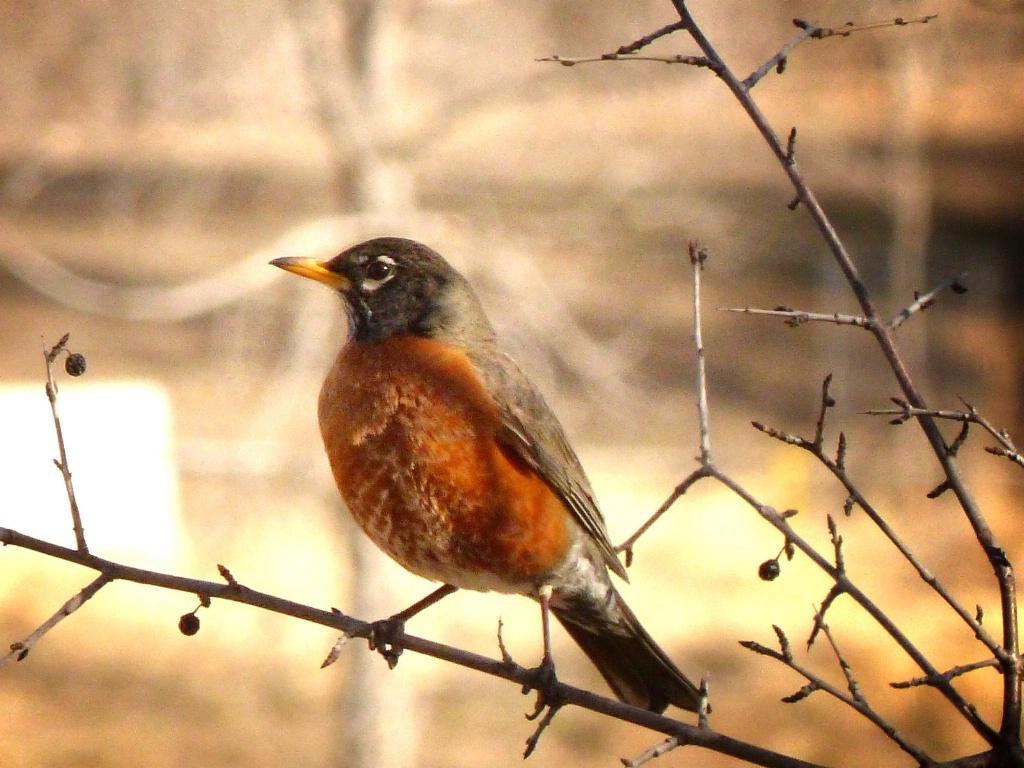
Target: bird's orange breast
x,y
411,434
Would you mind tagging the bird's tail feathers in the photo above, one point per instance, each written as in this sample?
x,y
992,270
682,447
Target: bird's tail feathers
x,y
635,667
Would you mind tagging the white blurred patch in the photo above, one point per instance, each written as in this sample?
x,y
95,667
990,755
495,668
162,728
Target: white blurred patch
x,y
119,446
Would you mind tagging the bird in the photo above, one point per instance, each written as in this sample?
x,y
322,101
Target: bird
x,y
449,459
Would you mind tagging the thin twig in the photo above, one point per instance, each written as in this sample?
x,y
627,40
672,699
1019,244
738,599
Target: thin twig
x,y
62,464
652,753
923,301
20,650
698,257
826,401
851,682
677,492
949,674
820,33
646,40
797,317
778,60
565,61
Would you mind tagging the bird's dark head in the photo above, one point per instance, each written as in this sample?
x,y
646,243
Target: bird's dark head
x,y
393,286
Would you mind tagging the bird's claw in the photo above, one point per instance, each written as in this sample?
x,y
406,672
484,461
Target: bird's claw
x,y
383,638
549,700
544,681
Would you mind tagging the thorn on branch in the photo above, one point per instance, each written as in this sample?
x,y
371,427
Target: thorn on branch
x,y
704,703
837,543
647,755
841,453
226,575
763,650
906,415
848,505
57,348
646,40
923,301
979,614
827,401
944,677
938,490
959,440
784,645
335,653
790,143
851,682
802,694
784,437
506,657
819,616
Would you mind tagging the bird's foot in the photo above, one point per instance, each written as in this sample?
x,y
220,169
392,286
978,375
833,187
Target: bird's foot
x,y
544,681
384,636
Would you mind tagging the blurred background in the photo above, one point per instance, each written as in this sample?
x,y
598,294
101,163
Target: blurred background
x,y
154,157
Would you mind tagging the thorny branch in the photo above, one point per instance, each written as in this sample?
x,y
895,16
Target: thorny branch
x,y
837,467
795,317
854,698
503,668
1007,449
1007,739
808,31
960,669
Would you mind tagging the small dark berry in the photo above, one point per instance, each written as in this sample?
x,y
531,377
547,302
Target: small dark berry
x,y
75,364
769,570
188,624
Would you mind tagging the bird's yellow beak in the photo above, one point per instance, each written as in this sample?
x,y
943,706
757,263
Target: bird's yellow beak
x,y
314,270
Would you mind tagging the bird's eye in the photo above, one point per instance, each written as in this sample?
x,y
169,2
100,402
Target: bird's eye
x,y
380,269
378,272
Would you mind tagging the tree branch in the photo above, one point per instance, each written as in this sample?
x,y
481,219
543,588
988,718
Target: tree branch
x,y
505,668
1009,732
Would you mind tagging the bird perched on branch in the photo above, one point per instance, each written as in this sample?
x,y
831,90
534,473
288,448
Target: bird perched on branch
x,y
450,460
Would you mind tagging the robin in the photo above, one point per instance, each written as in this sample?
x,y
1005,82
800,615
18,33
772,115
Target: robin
x,y
450,460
